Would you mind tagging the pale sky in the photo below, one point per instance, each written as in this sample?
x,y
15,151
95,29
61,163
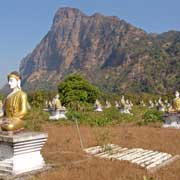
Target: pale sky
x,y
24,23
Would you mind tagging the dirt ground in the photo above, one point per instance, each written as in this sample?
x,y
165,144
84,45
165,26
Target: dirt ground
x,y
64,153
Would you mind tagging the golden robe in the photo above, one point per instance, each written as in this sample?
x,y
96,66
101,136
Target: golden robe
x,y
175,105
56,104
15,107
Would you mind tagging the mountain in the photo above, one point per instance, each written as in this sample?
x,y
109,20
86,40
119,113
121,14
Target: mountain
x,y
110,52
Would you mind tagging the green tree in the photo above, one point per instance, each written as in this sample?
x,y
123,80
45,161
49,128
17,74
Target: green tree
x,y
38,98
75,88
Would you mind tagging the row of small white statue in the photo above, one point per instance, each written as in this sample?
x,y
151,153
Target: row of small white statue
x,y
159,105
125,106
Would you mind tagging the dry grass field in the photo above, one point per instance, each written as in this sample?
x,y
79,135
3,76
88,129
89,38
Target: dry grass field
x,y
69,162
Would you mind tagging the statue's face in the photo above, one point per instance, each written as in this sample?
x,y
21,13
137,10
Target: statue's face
x,y
13,83
177,94
57,96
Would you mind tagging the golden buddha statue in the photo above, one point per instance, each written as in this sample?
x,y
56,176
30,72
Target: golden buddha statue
x,y
175,104
15,105
56,103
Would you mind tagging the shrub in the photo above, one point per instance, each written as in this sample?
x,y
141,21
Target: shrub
x,y
107,117
34,119
37,99
151,116
90,118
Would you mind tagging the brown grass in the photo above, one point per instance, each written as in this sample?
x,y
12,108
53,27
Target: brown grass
x,y
70,163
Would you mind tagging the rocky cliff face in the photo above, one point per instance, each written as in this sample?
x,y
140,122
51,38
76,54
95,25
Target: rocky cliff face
x,y
108,51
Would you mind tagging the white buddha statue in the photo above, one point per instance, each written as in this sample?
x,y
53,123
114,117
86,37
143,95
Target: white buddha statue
x,y
131,104
151,104
142,103
161,105
98,106
125,106
156,104
117,104
108,104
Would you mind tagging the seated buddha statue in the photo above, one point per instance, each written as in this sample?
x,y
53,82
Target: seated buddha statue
x,y
175,104
108,104
125,105
98,106
15,105
161,105
56,104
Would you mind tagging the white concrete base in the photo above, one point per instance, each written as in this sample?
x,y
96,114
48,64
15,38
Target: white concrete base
x,y
98,109
171,120
21,153
162,109
172,125
58,115
125,111
151,160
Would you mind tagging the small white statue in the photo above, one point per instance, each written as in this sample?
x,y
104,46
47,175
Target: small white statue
x,y
151,104
142,103
97,106
156,104
131,104
46,108
108,104
161,105
117,104
125,106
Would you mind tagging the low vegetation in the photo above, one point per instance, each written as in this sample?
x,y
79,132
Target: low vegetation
x,y
112,116
78,95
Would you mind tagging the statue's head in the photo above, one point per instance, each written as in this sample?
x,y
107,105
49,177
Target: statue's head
x,y
177,94
14,80
57,96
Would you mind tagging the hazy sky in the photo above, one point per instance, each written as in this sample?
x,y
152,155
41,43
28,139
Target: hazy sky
x,y
23,23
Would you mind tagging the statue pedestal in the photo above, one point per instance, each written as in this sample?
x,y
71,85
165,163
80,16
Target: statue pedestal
x,y
125,111
20,153
56,115
98,109
172,120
